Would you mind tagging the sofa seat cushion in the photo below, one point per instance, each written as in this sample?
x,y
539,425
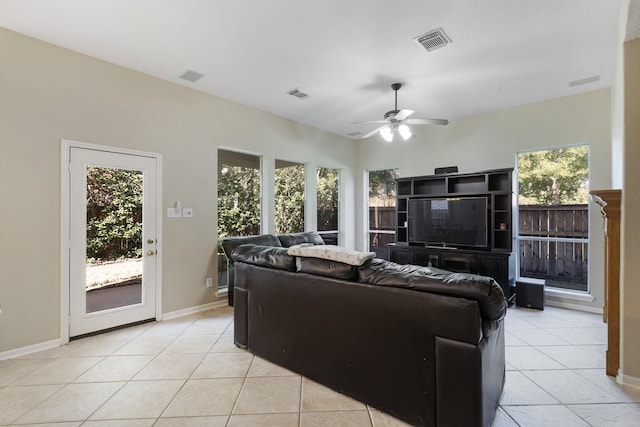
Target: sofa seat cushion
x,y
331,253
484,290
264,256
292,239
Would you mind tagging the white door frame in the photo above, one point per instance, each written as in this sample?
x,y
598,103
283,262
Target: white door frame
x,y
65,197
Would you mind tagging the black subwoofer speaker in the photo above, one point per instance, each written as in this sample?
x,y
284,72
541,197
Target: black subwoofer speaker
x,y
530,295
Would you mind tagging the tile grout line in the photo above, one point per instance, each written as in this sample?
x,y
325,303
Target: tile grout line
x,y
300,402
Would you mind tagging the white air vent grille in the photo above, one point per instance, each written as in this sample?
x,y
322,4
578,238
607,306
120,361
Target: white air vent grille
x,y
298,93
433,40
584,81
191,76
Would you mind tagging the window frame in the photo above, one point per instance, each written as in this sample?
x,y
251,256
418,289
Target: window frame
x,y
552,290
336,231
368,230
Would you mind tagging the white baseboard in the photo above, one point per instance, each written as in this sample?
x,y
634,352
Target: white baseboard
x,y
578,307
628,381
34,348
193,310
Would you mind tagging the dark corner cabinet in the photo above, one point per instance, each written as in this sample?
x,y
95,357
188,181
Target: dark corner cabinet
x,y
495,258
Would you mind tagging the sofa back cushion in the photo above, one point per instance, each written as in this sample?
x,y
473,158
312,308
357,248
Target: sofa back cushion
x,y
484,290
230,243
325,267
265,256
291,239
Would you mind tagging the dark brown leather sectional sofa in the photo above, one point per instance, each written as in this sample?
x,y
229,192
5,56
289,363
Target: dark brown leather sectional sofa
x,y
424,345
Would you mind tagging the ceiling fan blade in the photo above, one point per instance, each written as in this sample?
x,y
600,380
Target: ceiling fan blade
x,y
369,121
427,121
403,114
373,132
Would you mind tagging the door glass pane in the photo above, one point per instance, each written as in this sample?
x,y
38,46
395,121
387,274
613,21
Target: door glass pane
x,y
289,182
114,238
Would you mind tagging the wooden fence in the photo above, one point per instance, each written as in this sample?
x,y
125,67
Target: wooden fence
x,y
553,244
382,219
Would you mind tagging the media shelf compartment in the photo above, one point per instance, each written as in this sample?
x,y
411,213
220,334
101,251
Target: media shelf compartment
x,y
402,219
502,202
467,184
500,182
502,240
432,186
502,220
401,234
404,188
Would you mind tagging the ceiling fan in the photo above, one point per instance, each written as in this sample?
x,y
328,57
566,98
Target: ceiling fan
x,y
396,121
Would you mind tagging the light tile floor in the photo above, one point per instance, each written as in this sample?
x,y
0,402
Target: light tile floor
x,y
187,372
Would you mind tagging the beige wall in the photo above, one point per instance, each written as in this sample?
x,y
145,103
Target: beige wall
x,y
491,141
630,321
48,94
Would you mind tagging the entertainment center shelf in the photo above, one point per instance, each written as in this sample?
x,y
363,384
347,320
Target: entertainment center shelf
x,y
495,185
491,254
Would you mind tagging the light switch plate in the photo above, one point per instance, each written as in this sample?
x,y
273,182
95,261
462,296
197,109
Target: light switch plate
x,y
174,213
187,212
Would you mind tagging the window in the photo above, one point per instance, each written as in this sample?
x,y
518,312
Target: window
x,y
289,193
382,202
553,214
327,204
238,194
238,200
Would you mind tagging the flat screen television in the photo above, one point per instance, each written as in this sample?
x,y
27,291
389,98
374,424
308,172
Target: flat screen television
x,y
454,222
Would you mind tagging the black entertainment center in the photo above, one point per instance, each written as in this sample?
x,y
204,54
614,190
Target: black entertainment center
x,y
458,222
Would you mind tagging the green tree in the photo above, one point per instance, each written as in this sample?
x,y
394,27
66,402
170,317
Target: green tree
x,y
327,199
382,187
238,201
114,213
289,182
554,177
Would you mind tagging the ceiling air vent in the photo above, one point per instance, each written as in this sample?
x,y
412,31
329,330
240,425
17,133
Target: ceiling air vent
x,y
191,76
584,81
433,39
298,94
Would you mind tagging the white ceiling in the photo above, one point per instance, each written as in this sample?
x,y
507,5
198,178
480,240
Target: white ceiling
x,y
343,53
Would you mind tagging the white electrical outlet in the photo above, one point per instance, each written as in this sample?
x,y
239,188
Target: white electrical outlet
x,y
209,282
187,212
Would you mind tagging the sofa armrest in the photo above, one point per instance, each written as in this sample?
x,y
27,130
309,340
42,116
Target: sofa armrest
x,y
464,372
228,244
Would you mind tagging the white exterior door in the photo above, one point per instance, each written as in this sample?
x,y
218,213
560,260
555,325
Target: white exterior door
x,y
112,239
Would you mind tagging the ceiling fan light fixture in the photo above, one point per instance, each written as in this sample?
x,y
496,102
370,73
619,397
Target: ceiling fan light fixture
x,y
404,131
386,133
394,121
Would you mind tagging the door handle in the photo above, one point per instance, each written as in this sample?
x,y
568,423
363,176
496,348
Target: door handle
x,y
151,253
